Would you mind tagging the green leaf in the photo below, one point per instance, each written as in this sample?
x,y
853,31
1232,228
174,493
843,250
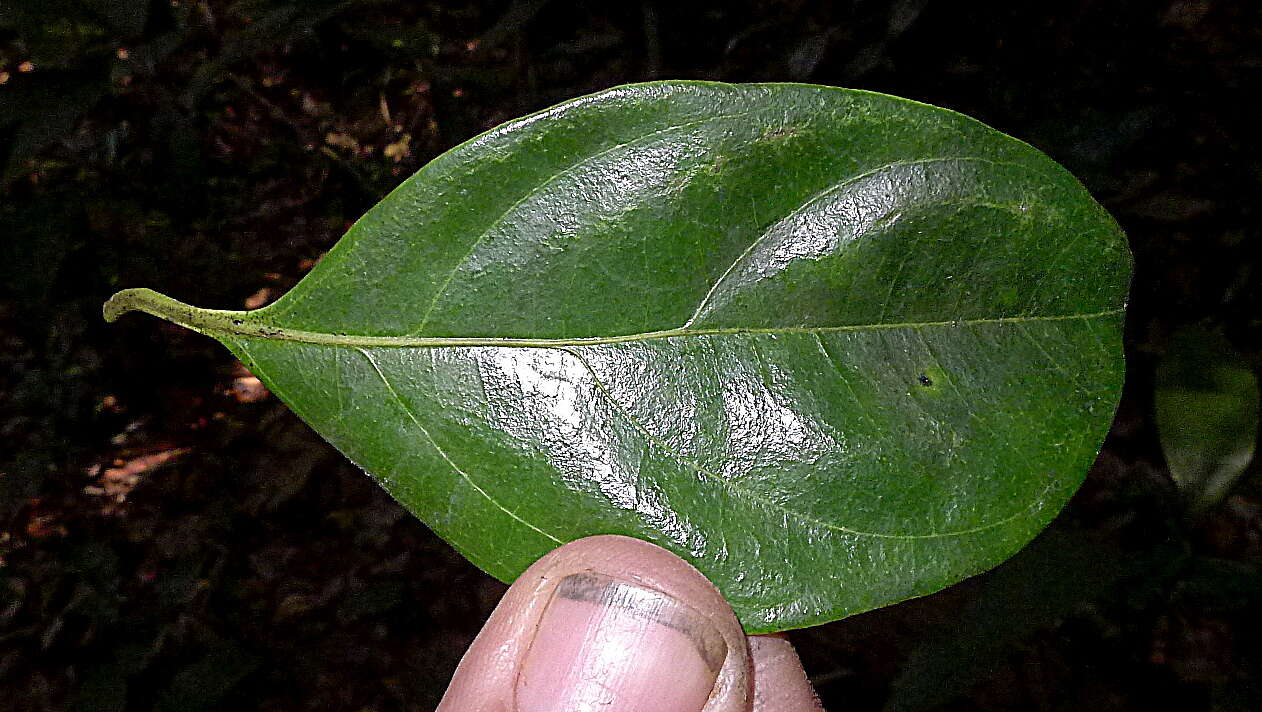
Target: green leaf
x,y
835,348
1206,404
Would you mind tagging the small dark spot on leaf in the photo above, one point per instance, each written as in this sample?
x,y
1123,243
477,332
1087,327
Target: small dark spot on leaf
x,y
924,380
781,132
236,322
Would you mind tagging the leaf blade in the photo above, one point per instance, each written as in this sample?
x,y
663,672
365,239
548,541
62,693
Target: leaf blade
x,y
699,314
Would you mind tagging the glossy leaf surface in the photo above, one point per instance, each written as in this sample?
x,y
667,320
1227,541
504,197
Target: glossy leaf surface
x,y
835,348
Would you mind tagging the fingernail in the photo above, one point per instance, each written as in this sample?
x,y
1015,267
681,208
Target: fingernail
x,y
608,644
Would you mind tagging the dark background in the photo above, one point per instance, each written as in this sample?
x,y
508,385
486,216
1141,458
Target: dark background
x,y
171,537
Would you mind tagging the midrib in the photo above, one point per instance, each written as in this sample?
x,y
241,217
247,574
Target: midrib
x,y
242,324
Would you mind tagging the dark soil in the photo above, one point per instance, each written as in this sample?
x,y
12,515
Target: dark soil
x,y
171,537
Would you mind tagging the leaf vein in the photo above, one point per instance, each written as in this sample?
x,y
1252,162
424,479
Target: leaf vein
x,y
235,323
442,453
820,195
535,190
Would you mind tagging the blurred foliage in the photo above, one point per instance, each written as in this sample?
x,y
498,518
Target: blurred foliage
x,y
1207,415
170,536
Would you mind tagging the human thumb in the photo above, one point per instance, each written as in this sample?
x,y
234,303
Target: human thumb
x,y
607,623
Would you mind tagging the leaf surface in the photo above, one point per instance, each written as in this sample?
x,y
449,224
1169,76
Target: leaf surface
x,y
835,348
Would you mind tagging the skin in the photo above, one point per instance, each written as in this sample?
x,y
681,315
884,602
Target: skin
x,y
618,624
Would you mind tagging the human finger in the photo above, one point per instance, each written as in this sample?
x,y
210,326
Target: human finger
x,y
606,623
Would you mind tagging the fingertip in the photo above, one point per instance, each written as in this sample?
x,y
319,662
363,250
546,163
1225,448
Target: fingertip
x,y
780,684
607,615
